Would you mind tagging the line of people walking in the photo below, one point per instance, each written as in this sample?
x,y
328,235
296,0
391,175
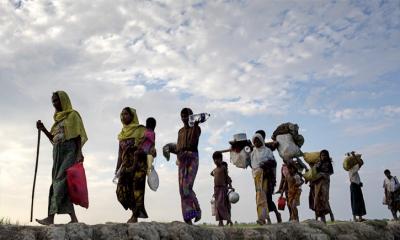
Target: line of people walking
x,y
137,150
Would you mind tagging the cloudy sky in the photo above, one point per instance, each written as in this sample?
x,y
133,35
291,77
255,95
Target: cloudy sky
x,y
330,66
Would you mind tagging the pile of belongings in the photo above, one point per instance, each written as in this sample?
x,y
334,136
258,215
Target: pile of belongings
x,y
168,149
240,150
289,139
351,160
292,129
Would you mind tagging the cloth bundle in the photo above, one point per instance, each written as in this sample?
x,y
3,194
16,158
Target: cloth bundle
x,y
292,129
287,148
351,160
311,157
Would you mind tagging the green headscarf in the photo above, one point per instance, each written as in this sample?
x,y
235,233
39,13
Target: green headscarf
x,y
133,129
73,125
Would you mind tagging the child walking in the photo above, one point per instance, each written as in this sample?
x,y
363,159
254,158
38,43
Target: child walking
x,y
294,182
222,183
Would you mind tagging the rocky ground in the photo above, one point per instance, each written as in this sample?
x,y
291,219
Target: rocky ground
x,y
373,230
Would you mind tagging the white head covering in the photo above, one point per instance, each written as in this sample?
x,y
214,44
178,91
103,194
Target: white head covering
x,y
261,154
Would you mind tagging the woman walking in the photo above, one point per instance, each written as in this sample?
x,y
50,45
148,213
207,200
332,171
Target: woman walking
x,y
67,136
259,156
356,195
131,165
321,186
188,164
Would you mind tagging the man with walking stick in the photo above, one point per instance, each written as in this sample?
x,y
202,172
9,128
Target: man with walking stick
x,y
67,136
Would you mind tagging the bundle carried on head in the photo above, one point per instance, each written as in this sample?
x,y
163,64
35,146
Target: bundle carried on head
x,y
289,128
351,160
311,157
289,139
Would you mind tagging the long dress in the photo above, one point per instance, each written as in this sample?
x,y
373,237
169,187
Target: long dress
x,y
221,183
64,156
321,189
259,156
131,184
261,185
188,159
356,195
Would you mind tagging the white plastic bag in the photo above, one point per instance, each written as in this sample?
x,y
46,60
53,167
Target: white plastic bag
x,y
241,159
287,149
213,212
153,180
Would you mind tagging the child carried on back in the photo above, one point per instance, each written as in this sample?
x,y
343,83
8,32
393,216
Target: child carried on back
x,y
222,183
149,140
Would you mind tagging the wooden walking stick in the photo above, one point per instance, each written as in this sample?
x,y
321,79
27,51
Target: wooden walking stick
x,y
34,176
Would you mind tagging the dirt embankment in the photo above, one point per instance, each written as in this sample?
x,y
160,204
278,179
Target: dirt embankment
x,y
373,230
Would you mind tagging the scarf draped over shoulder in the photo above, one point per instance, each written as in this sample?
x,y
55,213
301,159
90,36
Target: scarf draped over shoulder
x,y
73,125
132,130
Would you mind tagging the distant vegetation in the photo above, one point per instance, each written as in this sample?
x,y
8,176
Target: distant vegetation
x,y
6,221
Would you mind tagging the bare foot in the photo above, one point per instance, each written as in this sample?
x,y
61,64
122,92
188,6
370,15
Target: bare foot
x,y
260,222
45,221
189,222
132,220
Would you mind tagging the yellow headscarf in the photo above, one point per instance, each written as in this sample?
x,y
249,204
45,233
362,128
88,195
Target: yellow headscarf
x,y
133,129
73,125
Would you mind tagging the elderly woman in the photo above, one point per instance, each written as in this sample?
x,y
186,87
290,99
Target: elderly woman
x,y
132,165
260,156
67,136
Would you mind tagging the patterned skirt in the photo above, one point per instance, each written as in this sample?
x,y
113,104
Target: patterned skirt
x,y
188,166
64,156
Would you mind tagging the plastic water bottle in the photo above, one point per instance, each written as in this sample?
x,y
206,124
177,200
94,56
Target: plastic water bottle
x,y
200,117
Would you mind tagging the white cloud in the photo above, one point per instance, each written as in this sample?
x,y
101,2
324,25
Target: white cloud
x,y
216,135
365,129
247,63
365,113
391,110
